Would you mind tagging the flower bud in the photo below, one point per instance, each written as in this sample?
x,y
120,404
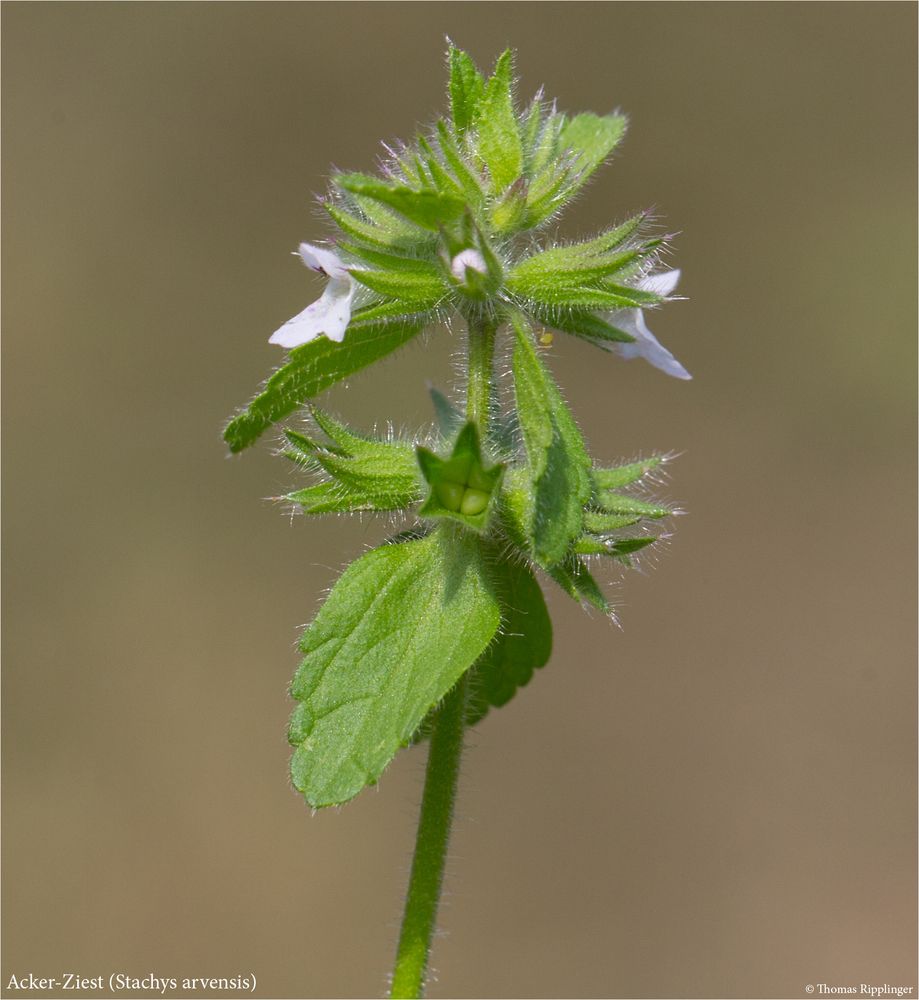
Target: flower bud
x,y
467,260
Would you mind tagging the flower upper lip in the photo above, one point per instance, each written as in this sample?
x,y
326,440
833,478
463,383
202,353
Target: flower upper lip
x,y
330,314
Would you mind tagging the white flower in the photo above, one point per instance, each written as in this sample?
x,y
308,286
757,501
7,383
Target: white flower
x,y
646,345
467,258
330,313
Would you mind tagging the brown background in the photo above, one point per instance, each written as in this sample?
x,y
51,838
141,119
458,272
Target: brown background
x,y
716,800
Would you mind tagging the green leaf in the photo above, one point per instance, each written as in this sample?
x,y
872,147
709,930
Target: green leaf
x,y
507,212
589,260
617,503
531,124
465,177
398,630
466,89
390,260
517,507
599,523
347,441
360,229
587,297
624,475
546,194
440,177
329,498
368,473
590,546
637,298
566,265
301,450
580,323
428,209
614,238
384,481
417,288
394,309
626,546
311,369
449,418
498,132
558,461
368,221
574,578
591,139
540,155
522,645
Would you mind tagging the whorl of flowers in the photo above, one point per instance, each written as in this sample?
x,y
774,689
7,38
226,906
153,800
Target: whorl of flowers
x,y
450,224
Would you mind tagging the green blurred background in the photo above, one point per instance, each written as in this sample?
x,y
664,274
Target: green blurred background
x,y
716,800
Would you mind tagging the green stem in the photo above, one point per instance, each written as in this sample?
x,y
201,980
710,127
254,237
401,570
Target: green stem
x,y
442,775
440,783
481,363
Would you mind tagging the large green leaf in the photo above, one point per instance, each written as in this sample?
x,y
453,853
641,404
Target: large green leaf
x,y
522,646
558,461
309,370
397,631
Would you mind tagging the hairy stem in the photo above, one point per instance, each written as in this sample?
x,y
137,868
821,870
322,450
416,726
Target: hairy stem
x,y
481,364
431,842
442,775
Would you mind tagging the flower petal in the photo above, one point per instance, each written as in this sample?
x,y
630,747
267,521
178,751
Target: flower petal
x,y
467,258
646,345
329,315
322,260
662,283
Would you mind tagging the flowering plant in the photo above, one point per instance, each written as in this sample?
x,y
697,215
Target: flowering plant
x,y
425,634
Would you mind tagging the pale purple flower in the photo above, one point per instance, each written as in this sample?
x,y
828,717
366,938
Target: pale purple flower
x,y
646,345
331,312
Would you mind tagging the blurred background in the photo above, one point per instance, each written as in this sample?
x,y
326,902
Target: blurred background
x,y
717,799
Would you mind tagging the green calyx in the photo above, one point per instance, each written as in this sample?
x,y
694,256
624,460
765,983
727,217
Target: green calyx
x,y
462,487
